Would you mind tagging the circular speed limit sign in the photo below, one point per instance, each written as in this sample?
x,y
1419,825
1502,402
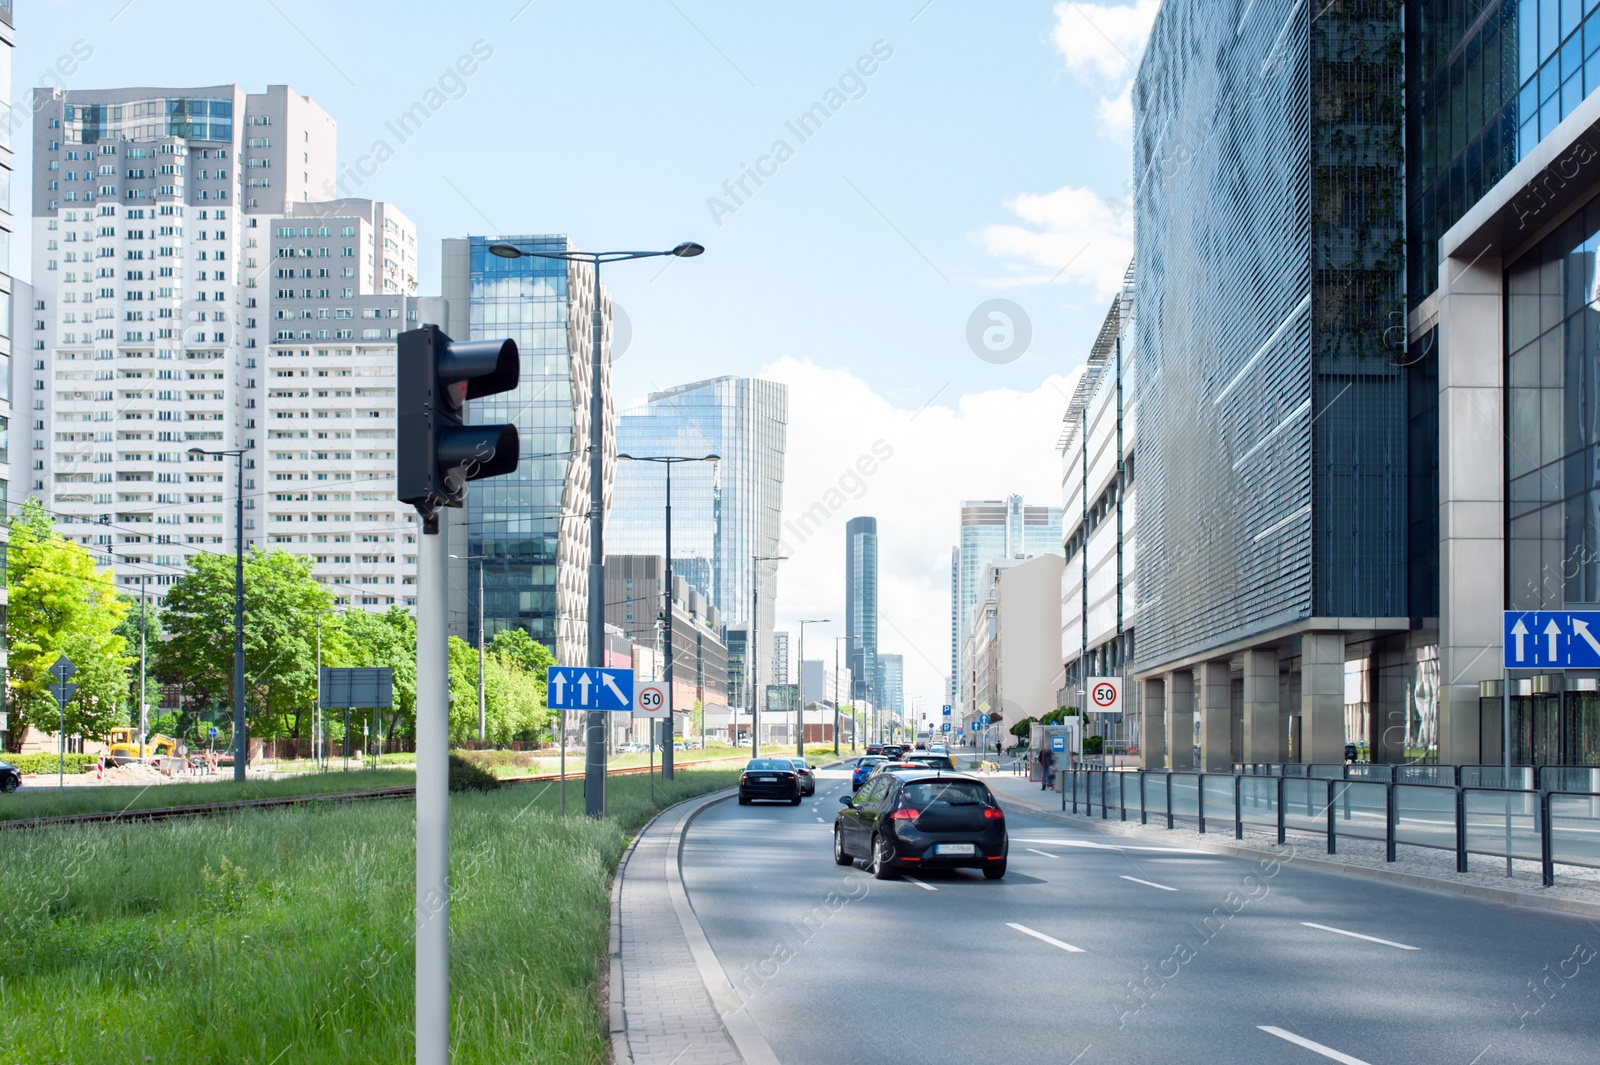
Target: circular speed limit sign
x,y
1105,696
652,700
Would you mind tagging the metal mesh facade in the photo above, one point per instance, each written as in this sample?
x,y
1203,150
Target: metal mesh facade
x,y
1271,447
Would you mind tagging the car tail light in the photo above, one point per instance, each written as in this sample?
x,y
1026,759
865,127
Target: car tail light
x,y
993,813
906,814
743,777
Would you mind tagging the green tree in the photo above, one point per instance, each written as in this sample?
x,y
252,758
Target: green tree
x,y
1059,715
128,629
59,604
281,601
1020,729
362,638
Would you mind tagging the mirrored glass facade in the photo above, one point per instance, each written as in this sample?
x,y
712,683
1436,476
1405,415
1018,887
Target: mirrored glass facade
x,y
861,608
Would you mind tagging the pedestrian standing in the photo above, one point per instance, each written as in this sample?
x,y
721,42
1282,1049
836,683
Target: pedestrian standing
x,y
1047,761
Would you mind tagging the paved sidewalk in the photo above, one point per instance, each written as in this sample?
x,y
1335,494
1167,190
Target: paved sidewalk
x,y
665,981
1576,892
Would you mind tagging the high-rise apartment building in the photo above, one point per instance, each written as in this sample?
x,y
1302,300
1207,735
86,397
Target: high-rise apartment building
x,y
15,315
189,292
724,514
861,608
780,658
532,526
992,530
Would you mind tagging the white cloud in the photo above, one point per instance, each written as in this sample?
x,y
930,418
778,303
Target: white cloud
x,y
1101,44
853,452
1072,235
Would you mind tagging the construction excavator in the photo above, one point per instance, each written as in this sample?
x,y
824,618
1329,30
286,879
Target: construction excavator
x,y
125,750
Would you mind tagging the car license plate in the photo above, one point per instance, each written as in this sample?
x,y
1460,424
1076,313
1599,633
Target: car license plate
x,y
766,780
956,848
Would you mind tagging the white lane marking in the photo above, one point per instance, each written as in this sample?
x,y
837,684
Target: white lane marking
x,y
1358,935
1149,883
1025,930
820,821
1318,1048
920,884
1042,854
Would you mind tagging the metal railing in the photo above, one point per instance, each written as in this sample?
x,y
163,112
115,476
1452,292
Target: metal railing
x,y
1523,777
1553,826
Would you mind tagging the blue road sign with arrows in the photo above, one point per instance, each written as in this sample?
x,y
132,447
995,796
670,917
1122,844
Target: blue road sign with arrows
x,y
1552,639
589,688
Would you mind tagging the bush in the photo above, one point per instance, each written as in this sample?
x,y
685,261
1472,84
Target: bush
x,y
50,763
1093,744
467,776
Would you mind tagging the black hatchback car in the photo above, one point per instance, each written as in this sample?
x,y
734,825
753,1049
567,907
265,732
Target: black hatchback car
x,y
10,777
921,819
769,778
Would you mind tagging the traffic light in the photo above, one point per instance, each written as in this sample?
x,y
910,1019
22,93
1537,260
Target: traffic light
x,y
437,455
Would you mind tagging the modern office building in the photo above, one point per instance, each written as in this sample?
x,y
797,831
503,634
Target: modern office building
x,y
14,316
861,608
1011,649
699,657
991,530
1274,414
892,683
724,514
823,684
1099,591
533,525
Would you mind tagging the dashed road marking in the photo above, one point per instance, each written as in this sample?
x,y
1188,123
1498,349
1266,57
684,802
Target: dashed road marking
x,y
1149,883
1317,1048
920,884
1358,935
1042,854
1054,942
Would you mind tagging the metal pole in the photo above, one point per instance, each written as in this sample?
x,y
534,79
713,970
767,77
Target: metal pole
x,y
143,715
800,710
836,696
316,723
241,742
483,727
753,655
668,729
433,796
1505,753
594,771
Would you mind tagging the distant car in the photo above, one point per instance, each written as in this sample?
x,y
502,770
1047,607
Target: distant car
x,y
808,780
874,748
10,777
914,820
938,748
769,778
890,764
921,746
931,760
893,750
864,766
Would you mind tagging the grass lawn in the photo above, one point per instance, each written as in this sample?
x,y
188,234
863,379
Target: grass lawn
x,y
285,936
48,801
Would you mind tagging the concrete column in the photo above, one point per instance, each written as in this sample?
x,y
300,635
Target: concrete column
x,y
1180,720
1472,559
1216,717
1152,725
1322,696
1263,713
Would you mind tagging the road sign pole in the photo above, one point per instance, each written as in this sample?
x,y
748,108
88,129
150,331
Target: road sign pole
x,y
433,796
1505,753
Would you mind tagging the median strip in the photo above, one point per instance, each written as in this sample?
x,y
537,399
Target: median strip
x,y
1054,942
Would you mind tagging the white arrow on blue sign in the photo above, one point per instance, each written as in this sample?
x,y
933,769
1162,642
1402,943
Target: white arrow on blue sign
x,y
1552,639
589,688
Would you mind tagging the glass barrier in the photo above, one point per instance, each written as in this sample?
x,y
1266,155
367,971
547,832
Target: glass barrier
x,y
1361,810
1258,802
1381,773
1501,822
1425,816
1130,793
1305,805
1155,796
1216,797
1186,795
1575,829
1569,778
1443,775
1494,776
1326,771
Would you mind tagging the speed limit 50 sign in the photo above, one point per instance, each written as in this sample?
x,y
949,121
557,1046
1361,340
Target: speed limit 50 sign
x,y
652,700
1105,695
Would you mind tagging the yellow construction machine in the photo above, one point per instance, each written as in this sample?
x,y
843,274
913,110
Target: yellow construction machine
x,y
125,750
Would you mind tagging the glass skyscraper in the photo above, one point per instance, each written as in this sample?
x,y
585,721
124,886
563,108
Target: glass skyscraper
x,y
723,514
861,608
532,525
892,685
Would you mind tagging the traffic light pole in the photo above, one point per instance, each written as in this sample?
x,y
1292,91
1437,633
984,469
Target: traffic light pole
x,y
433,795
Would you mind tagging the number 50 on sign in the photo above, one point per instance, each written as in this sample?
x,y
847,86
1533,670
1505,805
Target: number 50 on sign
x,y
652,700
1105,695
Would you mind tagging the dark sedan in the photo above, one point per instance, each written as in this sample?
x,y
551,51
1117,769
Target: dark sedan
x,y
10,777
769,778
922,820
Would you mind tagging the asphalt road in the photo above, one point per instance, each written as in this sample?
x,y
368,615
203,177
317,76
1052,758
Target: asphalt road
x,y
1097,949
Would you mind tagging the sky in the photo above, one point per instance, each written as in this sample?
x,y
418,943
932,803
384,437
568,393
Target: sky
x,y
962,154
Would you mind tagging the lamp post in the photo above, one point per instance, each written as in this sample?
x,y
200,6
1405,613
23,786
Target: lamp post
x,y
241,748
594,774
752,654
668,461
800,713
316,724
483,720
836,640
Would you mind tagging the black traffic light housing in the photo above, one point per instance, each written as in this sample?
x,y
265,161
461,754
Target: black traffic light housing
x,y
436,454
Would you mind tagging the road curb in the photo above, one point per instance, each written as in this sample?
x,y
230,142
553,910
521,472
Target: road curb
x,y
616,1019
1522,900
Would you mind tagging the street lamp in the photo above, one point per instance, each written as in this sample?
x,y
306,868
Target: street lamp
x,y
668,461
594,775
483,720
316,720
752,655
800,714
240,742
836,641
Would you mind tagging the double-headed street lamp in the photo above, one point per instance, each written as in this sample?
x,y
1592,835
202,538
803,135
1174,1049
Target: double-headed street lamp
x,y
483,719
594,776
668,461
800,714
752,656
240,742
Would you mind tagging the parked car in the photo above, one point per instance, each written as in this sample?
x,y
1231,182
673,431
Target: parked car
x,y
863,769
808,780
913,819
10,777
769,778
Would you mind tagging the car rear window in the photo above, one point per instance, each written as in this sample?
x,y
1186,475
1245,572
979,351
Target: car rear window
x,y
949,792
936,761
767,765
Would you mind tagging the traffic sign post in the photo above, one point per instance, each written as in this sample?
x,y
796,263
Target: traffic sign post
x,y
1105,695
653,700
62,671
